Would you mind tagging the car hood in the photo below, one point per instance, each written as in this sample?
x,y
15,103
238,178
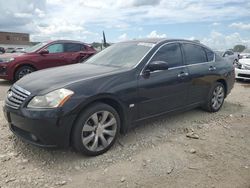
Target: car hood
x,y
54,78
245,54
9,55
245,61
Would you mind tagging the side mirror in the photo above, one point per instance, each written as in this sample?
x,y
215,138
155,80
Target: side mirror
x,y
42,52
157,65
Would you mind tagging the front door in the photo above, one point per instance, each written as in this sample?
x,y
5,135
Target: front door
x,y
166,90
55,57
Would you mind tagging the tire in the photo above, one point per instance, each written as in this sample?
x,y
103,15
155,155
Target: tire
x,y
93,135
22,71
215,98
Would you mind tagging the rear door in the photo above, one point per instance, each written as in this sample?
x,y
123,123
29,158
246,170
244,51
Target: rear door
x,y
201,66
165,90
75,52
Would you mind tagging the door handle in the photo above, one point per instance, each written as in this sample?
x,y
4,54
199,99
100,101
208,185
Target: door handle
x,y
182,74
212,68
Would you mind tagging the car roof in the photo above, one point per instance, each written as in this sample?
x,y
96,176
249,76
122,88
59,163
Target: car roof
x,y
164,40
63,41
147,40
159,40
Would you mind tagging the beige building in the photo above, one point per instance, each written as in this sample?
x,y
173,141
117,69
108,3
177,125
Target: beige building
x,y
10,39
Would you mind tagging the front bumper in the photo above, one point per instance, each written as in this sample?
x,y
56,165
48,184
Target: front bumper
x,y
4,72
44,128
242,74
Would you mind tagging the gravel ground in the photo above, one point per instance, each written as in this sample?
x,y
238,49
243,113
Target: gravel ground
x,y
4,86
157,153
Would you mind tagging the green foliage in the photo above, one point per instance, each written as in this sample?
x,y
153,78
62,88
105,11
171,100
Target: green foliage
x,y
239,48
96,44
99,45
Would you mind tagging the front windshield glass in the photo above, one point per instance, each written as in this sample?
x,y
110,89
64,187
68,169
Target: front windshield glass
x,y
121,54
220,53
36,47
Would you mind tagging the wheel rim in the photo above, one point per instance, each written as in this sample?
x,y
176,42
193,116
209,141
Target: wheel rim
x,y
99,131
24,72
218,97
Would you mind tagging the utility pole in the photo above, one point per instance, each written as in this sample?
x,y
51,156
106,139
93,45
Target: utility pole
x,y
104,40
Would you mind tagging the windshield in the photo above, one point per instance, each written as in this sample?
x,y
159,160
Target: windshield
x,y
121,54
220,53
36,47
9,50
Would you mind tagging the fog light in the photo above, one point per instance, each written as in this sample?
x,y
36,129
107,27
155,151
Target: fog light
x,y
3,70
34,137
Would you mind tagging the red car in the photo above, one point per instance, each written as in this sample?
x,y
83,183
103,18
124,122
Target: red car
x,y
41,56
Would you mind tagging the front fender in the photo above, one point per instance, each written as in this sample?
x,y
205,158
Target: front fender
x,y
109,99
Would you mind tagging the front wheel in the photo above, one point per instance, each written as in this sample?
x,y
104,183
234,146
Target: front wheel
x,y
96,129
22,71
215,98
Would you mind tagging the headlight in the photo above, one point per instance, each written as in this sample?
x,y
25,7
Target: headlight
x,y
242,67
53,99
239,65
6,60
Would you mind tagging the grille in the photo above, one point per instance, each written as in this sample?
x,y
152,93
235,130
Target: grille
x,y
244,75
2,71
16,96
247,67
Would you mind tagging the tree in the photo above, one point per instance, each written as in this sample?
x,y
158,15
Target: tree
x,y
197,41
239,48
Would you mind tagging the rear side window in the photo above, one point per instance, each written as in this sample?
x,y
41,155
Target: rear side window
x,y
194,54
73,47
170,53
210,55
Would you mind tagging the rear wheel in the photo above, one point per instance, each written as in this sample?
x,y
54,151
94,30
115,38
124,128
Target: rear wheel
x,y
96,129
22,71
215,98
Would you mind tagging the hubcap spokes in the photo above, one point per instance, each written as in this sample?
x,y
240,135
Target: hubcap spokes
x,y
24,72
99,130
218,97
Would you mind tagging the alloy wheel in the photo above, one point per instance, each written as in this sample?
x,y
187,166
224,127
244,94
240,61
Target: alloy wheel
x,y
99,131
218,97
24,72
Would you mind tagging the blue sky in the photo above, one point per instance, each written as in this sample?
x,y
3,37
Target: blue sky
x,y
219,24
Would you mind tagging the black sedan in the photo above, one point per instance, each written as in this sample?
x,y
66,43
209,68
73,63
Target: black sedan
x,y
87,105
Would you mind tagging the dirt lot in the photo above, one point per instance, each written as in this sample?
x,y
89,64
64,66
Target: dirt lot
x,y
155,154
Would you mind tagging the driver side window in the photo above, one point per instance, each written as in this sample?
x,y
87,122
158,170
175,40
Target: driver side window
x,y
55,48
170,53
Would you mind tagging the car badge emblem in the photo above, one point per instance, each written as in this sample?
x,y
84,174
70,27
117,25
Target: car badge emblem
x,y
10,94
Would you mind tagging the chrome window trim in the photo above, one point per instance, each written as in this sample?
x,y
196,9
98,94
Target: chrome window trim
x,y
202,63
204,50
141,73
172,68
177,67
